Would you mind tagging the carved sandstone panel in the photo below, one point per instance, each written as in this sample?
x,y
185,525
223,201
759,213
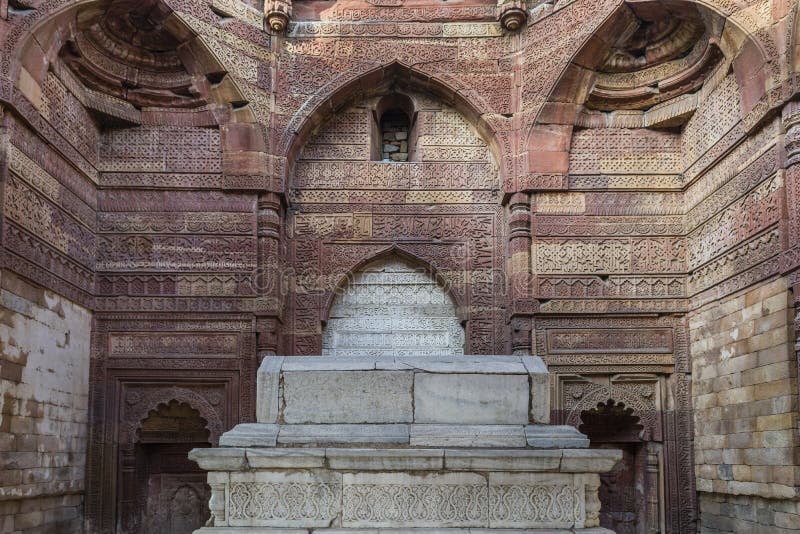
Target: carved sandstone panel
x,y
610,340
164,149
612,256
720,112
172,344
624,151
737,223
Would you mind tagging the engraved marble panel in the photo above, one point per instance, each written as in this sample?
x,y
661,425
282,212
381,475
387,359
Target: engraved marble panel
x,y
405,500
552,501
284,499
386,310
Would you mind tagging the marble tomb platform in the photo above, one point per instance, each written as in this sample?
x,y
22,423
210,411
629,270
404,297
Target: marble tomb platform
x,y
456,444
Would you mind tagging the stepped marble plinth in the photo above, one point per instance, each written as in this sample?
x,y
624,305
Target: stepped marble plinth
x,y
405,444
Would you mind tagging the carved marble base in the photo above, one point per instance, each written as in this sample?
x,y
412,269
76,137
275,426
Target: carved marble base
x,y
418,445
334,488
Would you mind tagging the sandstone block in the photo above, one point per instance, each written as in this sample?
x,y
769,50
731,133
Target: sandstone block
x,y
250,435
386,459
267,389
349,434
502,460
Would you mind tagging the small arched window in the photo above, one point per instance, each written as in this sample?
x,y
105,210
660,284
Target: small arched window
x,y
394,136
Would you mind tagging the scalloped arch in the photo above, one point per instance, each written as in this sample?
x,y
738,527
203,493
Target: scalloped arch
x,y
140,412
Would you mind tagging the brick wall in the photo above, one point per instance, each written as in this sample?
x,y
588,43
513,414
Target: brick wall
x,y
44,377
745,402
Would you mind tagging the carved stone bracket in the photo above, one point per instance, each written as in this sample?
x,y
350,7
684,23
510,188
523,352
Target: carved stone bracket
x,y
512,14
277,14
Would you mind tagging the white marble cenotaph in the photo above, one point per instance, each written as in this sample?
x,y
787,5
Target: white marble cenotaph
x,y
456,444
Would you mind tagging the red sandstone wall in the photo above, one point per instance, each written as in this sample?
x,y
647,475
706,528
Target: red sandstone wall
x,y
202,239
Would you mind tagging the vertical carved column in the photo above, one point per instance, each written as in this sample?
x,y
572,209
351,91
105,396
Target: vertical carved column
x,y
519,269
791,216
216,504
269,279
4,142
652,489
592,501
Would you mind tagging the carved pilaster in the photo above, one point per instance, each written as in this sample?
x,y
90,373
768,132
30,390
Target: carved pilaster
x,y
519,269
652,488
269,276
791,127
216,503
277,14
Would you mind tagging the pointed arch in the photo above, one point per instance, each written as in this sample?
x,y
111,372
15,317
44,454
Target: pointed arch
x,y
401,252
391,305
363,83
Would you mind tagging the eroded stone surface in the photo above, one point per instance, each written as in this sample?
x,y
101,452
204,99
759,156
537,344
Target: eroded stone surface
x,y
347,397
471,399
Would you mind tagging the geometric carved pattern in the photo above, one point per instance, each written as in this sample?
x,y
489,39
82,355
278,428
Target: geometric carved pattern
x,y
543,504
415,504
290,500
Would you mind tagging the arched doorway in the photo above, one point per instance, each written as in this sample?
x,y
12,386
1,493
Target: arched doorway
x,y
612,425
171,490
392,307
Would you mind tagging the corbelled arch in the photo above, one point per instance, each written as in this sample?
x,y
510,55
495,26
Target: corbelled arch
x,y
351,87
42,43
587,94
734,39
